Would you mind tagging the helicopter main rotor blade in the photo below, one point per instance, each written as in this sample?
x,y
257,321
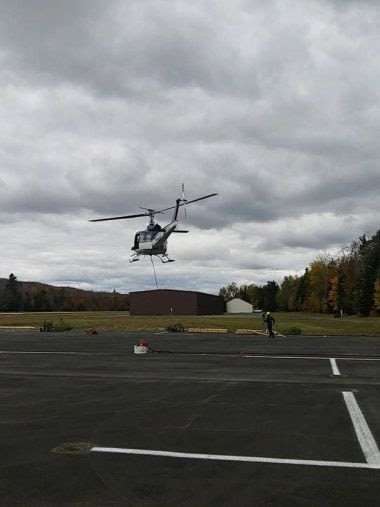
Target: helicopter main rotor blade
x,y
151,212
189,202
120,218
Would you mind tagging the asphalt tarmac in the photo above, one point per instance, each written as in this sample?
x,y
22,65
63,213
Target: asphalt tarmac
x,y
201,421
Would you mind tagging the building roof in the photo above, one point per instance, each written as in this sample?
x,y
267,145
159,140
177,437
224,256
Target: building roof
x,y
239,299
173,290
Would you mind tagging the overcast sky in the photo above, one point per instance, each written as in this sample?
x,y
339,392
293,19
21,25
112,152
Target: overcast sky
x,y
110,105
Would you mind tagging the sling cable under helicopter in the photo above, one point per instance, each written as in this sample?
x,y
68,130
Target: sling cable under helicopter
x,y
153,240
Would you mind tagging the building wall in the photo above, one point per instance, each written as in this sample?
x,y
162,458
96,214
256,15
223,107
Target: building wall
x,y
238,306
208,304
174,302
163,302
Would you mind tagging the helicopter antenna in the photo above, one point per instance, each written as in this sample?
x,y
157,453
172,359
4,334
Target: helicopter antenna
x,y
154,271
183,199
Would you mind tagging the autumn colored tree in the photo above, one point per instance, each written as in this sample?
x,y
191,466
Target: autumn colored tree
x,y
303,290
229,292
318,280
348,282
332,286
348,279
332,296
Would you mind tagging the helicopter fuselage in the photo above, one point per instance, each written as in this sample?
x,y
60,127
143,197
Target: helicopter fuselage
x,y
153,240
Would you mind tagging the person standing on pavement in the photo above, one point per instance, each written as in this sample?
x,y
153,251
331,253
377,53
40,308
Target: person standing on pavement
x,y
269,320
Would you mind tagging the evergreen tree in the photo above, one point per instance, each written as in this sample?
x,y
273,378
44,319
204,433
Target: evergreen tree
x,y
286,296
256,296
270,291
377,293
369,266
12,296
244,293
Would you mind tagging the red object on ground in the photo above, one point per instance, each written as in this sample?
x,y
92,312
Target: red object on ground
x,y
143,343
91,331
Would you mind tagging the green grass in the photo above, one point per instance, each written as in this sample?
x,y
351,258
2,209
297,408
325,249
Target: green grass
x,y
310,324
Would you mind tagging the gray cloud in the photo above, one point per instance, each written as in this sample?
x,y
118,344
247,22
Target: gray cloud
x,y
108,106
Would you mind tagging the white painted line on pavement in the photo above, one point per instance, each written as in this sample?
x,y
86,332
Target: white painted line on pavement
x,y
17,327
366,439
246,459
250,356
51,352
347,358
334,366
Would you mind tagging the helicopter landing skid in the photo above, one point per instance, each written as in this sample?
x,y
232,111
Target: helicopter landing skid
x,y
165,259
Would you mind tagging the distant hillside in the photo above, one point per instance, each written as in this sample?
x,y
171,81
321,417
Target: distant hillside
x,y
36,296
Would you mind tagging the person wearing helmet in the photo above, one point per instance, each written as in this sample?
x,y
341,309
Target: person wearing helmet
x,y
269,322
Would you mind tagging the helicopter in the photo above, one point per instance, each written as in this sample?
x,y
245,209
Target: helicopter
x,y
153,240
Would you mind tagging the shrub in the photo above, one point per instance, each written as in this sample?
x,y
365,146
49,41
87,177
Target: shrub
x,y
47,326
176,328
62,326
50,327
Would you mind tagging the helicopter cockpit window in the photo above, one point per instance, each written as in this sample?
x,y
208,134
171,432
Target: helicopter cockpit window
x,y
145,236
136,242
157,228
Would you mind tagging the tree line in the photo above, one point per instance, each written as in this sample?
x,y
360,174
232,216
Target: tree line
x,y
35,297
348,282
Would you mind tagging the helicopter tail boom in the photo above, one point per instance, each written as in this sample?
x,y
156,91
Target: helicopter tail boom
x,y
176,209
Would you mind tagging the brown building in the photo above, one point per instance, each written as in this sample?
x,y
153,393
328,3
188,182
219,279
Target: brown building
x,y
179,302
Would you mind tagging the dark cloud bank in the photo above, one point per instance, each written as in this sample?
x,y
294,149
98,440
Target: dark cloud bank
x,y
108,106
